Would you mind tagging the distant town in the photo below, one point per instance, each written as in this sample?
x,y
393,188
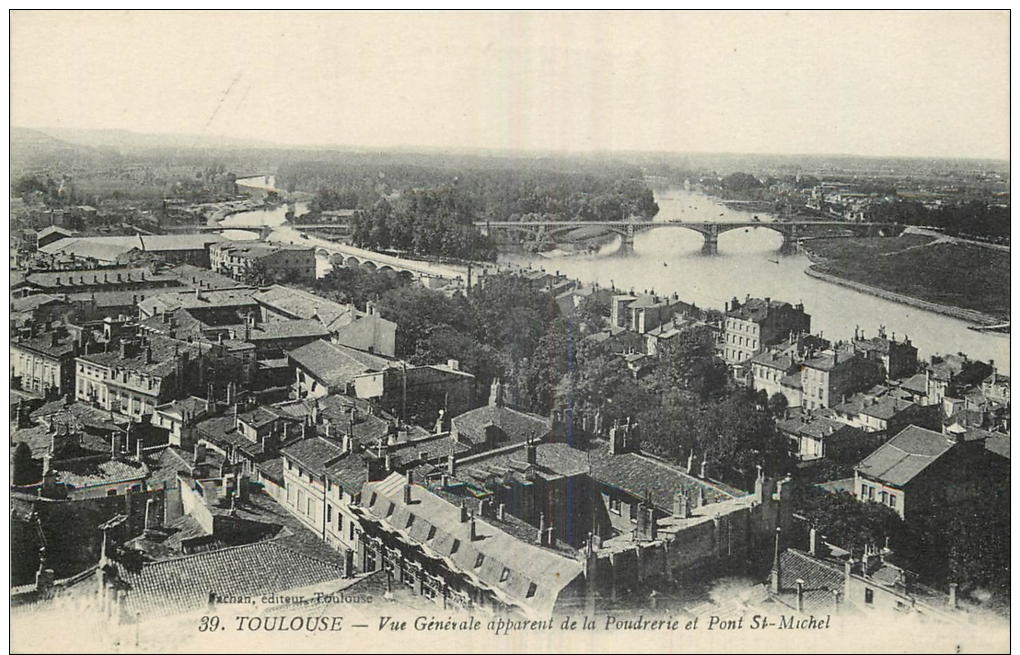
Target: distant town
x,y
258,383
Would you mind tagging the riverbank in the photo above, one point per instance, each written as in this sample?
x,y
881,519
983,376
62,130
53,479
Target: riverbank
x,y
948,278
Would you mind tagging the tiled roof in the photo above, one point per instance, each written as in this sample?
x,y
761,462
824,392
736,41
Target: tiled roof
x,y
164,351
638,474
917,383
314,453
827,360
336,365
756,309
43,344
904,456
82,474
204,299
517,572
821,579
552,460
291,329
165,243
33,302
350,472
301,304
180,585
998,444
516,426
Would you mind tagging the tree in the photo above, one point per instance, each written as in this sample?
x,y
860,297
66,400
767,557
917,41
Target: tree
x,y
688,362
25,470
778,404
847,522
256,274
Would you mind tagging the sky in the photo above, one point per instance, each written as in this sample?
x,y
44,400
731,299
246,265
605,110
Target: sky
x,y
918,84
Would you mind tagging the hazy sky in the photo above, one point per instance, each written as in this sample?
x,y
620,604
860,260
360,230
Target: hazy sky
x,y
913,84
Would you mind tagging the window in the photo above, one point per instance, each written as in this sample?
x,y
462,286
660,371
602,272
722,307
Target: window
x,y
329,513
892,501
504,575
479,560
633,512
532,589
869,596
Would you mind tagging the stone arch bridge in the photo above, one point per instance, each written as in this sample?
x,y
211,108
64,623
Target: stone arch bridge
x,y
791,231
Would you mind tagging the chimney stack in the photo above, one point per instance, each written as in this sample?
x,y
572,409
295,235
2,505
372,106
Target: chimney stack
x,y
474,529
407,488
542,530
813,542
199,454
500,511
463,512
952,595
451,465
800,595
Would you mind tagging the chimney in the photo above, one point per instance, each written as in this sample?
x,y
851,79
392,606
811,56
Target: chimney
x,y
952,595
542,530
501,511
123,350
474,529
151,521
532,451
453,364
451,465
704,469
199,454
813,542
407,487
54,339
776,568
463,512
148,355
800,595
680,505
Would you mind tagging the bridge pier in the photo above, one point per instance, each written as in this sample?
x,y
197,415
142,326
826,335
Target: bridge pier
x,y
627,240
790,237
711,236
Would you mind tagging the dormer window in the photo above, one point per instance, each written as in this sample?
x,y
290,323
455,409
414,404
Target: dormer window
x,y
479,560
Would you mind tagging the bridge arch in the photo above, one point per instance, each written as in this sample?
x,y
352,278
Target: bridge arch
x,y
323,253
353,261
336,259
370,265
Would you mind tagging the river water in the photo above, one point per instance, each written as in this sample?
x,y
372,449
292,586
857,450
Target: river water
x,y
670,260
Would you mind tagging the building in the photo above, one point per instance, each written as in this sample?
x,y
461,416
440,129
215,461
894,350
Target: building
x,y
923,470
192,249
323,368
818,435
273,262
829,376
496,426
43,362
898,358
135,377
646,311
51,234
769,370
304,476
371,333
751,326
885,412
460,560
137,279
823,581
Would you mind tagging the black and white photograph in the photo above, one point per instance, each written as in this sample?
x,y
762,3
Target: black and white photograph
x,y
509,331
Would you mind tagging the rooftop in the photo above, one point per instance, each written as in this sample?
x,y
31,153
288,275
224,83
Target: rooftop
x,y
314,453
183,584
905,456
639,474
335,365
516,426
518,573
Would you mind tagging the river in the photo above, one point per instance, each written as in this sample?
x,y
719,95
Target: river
x,y
670,260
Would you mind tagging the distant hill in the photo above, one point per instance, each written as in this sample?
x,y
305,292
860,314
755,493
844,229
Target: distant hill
x,y
125,140
31,148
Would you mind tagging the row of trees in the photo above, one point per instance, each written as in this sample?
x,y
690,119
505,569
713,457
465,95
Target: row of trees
x,y
565,190
425,223
975,218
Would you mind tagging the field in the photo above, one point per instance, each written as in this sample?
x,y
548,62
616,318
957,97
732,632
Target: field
x,y
937,270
